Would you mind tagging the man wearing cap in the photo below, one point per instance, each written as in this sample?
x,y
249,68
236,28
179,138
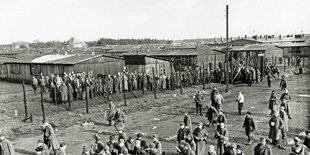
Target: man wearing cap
x,y
140,138
298,148
183,131
222,136
62,149
42,148
200,136
211,114
157,143
97,147
262,148
249,126
240,101
49,136
307,139
198,100
187,121
275,124
6,147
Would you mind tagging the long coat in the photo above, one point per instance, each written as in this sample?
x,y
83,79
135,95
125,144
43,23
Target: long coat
x,y
111,112
49,137
261,149
6,148
64,92
284,117
275,124
199,135
249,125
211,114
273,102
119,119
187,121
70,93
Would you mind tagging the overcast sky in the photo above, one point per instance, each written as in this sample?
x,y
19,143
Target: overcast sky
x,y
47,20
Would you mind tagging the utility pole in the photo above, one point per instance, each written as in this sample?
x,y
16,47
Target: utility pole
x,y
227,51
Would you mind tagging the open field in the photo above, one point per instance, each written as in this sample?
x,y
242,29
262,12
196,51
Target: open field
x,y
145,114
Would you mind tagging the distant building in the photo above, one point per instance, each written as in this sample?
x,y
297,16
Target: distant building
x,y
74,43
25,67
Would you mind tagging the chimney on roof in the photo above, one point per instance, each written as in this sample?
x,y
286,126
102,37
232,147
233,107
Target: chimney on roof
x,y
222,39
215,40
266,37
245,36
280,37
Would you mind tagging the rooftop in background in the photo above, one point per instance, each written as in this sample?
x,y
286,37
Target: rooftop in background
x,y
56,59
253,47
287,45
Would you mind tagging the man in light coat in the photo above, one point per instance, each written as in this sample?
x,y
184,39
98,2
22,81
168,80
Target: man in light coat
x,y
240,101
49,137
275,124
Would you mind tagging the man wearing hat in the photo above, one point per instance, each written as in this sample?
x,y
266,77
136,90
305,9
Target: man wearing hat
x,y
262,148
62,149
275,124
97,147
249,126
298,147
200,136
49,136
157,143
183,131
307,139
6,147
42,149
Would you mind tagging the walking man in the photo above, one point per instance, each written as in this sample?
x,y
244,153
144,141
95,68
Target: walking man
x,y
222,136
49,137
240,101
249,126
275,124
200,136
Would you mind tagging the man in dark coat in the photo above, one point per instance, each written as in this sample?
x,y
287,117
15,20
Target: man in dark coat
x,y
262,148
183,131
249,126
187,121
34,84
307,139
221,118
211,114
130,144
285,98
6,147
70,95
222,137
198,100
200,136
113,145
49,136
269,79
213,93
64,93
97,147
272,102
275,124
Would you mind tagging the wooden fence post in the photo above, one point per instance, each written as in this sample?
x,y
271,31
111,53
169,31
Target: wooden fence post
x,y
154,83
42,105
25,102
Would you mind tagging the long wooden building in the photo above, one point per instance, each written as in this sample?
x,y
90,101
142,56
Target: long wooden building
x,y
25,67
145,64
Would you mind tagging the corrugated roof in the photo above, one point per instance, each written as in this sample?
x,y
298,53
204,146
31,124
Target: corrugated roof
x,y
253,47
293,45
48,59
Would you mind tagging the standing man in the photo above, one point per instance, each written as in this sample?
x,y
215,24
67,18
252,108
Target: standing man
x,y
262,148
219,100
285,99
240,101
222,136
112,111
49,137
198,100
34,84
284,117
269,79
119,119
187,121
275,124
183,131
221,118
273,102
200,136
6,147
213,93
249,126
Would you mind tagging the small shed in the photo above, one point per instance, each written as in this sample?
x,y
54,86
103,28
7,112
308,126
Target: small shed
x,y
145,63
24,68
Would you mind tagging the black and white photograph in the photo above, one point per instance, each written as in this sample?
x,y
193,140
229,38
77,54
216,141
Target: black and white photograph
x,y
155,77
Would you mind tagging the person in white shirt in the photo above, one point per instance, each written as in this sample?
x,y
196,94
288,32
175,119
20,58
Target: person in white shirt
x,y
240,101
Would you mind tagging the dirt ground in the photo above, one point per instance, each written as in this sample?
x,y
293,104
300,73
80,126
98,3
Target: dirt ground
x,y
145,114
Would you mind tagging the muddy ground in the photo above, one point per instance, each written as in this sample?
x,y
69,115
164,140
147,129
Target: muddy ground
x,y
145,114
